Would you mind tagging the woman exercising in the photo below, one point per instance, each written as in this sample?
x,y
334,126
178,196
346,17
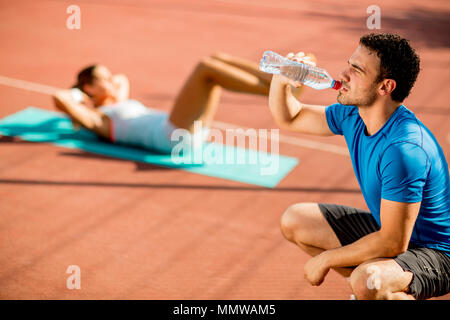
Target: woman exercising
x,y
100,101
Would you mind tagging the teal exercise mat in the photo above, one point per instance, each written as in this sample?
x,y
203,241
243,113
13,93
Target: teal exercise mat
x,y
213,159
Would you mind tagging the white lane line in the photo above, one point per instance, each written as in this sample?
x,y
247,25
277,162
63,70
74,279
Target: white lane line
x,y
305,143
292,140
26,85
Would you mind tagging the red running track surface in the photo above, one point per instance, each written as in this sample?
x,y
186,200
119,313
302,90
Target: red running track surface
x,y
142,232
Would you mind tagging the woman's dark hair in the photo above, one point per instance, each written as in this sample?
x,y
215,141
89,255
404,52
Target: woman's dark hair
x,y
398,61
85,76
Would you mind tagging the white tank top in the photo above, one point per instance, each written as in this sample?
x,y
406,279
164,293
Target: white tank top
x,y
135,124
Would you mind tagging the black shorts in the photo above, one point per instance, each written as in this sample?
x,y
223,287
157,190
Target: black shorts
x,y
430,267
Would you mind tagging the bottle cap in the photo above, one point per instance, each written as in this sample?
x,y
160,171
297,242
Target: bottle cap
x,y
336,85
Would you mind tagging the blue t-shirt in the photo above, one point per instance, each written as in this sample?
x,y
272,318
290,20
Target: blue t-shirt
x,y
401,162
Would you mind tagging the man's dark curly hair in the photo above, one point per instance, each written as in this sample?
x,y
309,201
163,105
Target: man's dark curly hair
x,y
398,61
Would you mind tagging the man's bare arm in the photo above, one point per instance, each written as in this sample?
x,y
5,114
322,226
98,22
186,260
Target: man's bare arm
x,y
397,220
291,114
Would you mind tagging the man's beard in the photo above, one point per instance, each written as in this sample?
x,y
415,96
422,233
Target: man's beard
x,y
364,99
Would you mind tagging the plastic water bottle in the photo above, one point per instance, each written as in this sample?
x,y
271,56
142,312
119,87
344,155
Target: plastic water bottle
x,y
312,76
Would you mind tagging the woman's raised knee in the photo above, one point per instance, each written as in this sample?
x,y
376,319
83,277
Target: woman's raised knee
x,y
222,56
206,68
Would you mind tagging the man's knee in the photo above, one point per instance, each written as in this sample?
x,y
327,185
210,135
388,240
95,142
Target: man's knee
x,y
291,220
368,282
358,282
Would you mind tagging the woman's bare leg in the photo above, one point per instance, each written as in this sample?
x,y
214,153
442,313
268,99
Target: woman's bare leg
x,y
199,97
253,68
246,65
